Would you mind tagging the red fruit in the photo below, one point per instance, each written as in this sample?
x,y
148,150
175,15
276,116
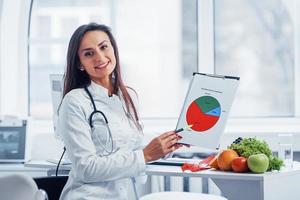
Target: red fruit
x,y
239,164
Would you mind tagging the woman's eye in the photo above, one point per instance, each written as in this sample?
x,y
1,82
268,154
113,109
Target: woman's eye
x,y
88,53
103,47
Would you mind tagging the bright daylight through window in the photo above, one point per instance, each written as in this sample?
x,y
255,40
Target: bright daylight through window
x,y
256,42
158,51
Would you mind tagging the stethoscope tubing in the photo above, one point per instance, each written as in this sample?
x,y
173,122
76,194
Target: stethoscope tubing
x,y
108,152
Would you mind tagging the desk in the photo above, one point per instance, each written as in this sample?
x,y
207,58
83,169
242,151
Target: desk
x,y
51,167
234,186
18,168
244,186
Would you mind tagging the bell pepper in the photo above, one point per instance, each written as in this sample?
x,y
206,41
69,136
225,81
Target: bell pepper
x,y
202,165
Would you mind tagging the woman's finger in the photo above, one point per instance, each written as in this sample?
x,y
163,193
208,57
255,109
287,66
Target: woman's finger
x,y
167,134
171,149
172,142
170,138
177,146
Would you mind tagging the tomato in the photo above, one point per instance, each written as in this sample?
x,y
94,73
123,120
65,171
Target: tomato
x,y
239,164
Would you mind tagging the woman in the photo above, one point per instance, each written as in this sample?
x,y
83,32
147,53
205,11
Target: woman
x,y
99,121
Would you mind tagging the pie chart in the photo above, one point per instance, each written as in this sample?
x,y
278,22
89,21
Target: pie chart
x,y
203,113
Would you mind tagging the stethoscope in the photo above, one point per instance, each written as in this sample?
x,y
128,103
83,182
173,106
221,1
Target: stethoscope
x,y
108,151
110,139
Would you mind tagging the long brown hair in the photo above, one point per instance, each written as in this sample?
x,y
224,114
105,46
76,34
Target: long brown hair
x,y
75,78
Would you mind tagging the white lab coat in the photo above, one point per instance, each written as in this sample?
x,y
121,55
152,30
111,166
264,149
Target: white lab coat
x,y
94,176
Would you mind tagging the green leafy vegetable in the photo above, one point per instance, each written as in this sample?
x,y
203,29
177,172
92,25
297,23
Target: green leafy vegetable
x,y
275,163
251,146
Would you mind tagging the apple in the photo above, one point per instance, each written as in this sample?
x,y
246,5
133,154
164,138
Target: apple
x,y
258,163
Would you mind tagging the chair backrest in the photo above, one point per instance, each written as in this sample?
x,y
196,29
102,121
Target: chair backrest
x,y
19,186
53,185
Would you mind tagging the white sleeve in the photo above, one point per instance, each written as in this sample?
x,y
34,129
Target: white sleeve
x,y
86,164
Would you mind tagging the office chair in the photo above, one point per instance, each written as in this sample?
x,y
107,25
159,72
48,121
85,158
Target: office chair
x,y
52,185
181,196
20,186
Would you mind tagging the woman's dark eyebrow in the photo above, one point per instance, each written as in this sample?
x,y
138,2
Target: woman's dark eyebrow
x,y
98,46
102,42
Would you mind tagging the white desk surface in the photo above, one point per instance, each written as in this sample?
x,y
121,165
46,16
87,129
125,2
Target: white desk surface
x,y
164,170
19,167
234,186
211,173
46,165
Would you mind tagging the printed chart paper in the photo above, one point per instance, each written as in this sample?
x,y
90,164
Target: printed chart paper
x,y
206,108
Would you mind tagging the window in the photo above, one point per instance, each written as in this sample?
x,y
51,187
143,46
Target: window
x,y
158,51
255,40
174,47
52,24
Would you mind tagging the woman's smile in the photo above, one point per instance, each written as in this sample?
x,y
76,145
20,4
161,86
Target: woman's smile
x,y
102,65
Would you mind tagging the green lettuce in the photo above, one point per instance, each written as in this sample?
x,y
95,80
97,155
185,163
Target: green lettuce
x,y
251,146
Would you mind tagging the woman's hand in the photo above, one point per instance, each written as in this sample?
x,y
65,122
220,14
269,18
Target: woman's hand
x,y
161,145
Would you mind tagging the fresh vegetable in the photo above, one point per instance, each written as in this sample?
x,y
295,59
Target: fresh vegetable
x,y
258,163
252,146
274,163
239,164
202,165
225,158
